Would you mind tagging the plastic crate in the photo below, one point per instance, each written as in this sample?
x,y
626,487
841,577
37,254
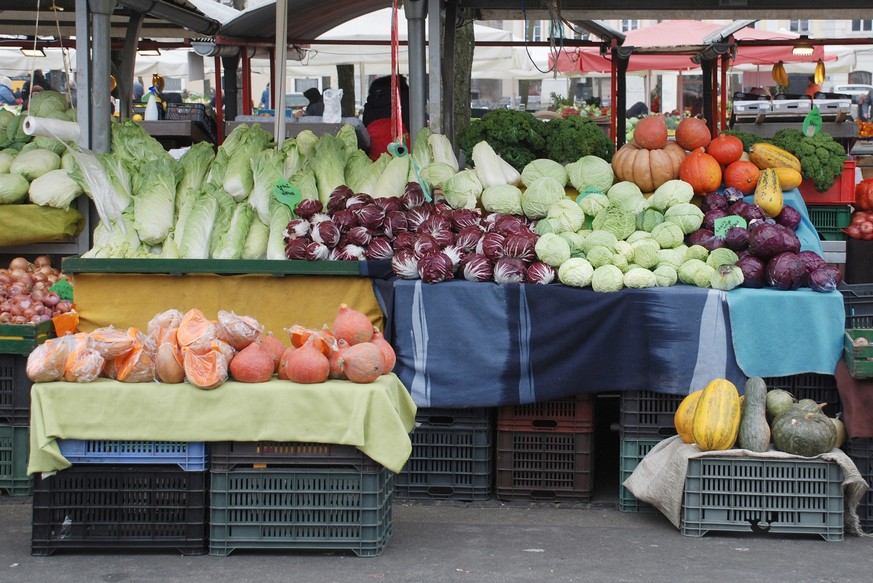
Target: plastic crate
x,y
14,390
114,507
14,450
802,496
544,466
447,417
842,192
858,301
455,462
632,453
571,415
301,508
830,220
23,338
190,456
229,455
821,388
186,111
861,452
859,359
647,414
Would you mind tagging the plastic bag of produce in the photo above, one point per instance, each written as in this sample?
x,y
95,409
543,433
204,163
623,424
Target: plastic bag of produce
x,y
111,342
46,362
84,364
238,331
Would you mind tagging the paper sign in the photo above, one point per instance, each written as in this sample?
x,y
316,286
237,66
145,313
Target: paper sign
x,y
287,193
723,225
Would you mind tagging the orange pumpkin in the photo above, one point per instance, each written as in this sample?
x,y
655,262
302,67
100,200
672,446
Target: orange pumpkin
x,y
693,133
701,171
651,132
726,149
742,175
648,169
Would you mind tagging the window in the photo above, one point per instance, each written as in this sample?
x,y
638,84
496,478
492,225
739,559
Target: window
x,y
862,25
799,26
627,25
537,31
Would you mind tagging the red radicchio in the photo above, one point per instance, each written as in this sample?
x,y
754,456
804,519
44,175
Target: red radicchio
x,y
380,248
345,219
434,223
388,203
370,215
455,254
405,264
492,246
444,237
358,200
464,218
754,271
789,217
413,195
297,248
436,268
360,236
477,267
337,198
335,254
539,272
326,232
405,240
468,237
509,270
352,253
395,223
710,216
317,251
737,238
713,201
318,218
825,279
521,246
786,271
426,245
506,224
416,216
308,207
297,228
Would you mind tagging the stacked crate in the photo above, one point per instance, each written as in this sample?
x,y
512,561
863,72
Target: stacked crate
x,y
821,388
306,496
646,418
123,495
452,456
861,452
545,450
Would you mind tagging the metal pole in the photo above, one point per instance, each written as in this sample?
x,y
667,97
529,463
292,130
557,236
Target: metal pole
x,y
83,72
280,70
416,12
435,26
101,10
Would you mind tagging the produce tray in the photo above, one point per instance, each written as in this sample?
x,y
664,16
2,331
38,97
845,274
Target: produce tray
x,y
230,455
452,462
861,452
14,390
23,338
821,388
190,456
571,415
14,450
73,265
544,466
830,220
632,453
842,192
315,509
761,495
858,301
114,507
647,414
859,359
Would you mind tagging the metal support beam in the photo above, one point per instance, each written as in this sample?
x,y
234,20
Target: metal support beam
x,y
83,73
708,72
435,88
416,12
448,72
128,62
101,60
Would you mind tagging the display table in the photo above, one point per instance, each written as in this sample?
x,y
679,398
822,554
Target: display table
x,y
375,417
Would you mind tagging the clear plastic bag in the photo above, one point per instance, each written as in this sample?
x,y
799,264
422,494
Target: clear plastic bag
x,y
238,331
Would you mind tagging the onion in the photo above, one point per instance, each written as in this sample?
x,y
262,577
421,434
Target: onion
x,y
20,263
51,299
19,320
5,278
43,260
63,306
5,317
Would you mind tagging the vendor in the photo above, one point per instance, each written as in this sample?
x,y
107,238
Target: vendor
x,y
811,86
377,113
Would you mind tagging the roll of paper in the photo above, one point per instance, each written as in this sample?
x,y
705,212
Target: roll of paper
x,y
51,128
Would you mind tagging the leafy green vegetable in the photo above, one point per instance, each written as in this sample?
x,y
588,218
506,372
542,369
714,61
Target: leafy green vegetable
x,y
55,189
665,275
539,168
329,163
392,181
233,239
463,190
668,235
267,167
721,256
599,255
256,241
749,139
687,215
567,215
571,138
195,164
195,225
607,278
281,216
618,221
726,277
154,200
13,188
821,158
539,196
517,136
553,249
505,198
593,203
628,196
34,163
671,193
590,172
640,278
492,170
575,272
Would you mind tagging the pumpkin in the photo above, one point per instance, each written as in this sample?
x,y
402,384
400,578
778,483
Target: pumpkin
x,y
195,326
252,364
684,416
693,133
717,416
651,132
701,171
864,195
725,149
336,364
205,371
280,370
169,364
778,400
136,365
389,358
648,169
352,326
754,432
274,348
799,430
362,363
323,339
307,364
742,175
841,430
238,331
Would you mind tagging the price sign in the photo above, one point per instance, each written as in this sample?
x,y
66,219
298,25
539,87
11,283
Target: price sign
x,y
724,224
287,193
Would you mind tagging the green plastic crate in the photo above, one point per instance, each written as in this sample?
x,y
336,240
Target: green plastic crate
x,y
787,496
859,359
14,449
23,338
301,508
830,220
632,453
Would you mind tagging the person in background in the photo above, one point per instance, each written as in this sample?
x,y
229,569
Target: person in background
x,y
377,113
759,91
40,83
265,98
812,87
7,97
316,103
865,107
137,93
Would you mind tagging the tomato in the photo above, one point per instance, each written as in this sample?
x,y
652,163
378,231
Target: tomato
x,y
864,195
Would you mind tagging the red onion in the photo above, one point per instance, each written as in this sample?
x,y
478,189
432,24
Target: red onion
x,y
51,299
64,306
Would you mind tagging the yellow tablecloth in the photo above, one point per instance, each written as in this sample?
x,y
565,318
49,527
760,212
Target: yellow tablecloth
x,y
132,299
375,417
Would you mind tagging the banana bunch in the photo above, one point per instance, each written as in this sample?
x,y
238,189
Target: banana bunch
x,y
780,75
819,72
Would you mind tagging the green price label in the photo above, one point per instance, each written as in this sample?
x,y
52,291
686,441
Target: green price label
x,y
724,224
287,193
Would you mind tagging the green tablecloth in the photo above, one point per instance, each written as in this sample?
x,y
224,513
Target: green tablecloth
x,y
375,417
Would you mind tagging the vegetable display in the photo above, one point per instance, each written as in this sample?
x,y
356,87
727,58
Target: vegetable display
x,y
820,157
26,292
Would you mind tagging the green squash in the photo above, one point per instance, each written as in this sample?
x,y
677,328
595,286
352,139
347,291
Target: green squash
x,y
803,432
778,400
754,433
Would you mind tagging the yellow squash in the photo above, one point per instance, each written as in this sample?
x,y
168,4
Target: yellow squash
x,y
769,156
768,192
717,416
789,178
684,416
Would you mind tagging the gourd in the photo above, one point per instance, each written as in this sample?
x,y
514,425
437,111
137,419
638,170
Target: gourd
x,y
717,416
362,363
841,430
252,364
766,155
352,326
648,169
389,358
693,133
307,364
336,364
725,148
801,431
768,193
684,416
169,364
789,178
701,171
754,432
742,175
778,400
651,132
274,348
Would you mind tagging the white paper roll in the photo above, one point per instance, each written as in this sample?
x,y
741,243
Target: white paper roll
x,y
51,128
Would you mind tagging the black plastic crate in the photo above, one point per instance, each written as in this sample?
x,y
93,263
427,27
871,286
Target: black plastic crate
x,y
14,390
858,301
544,466
821,388
229,455
454,462
300,508
118,507
448,417
647,414
571,415
861,452
14,449
186,111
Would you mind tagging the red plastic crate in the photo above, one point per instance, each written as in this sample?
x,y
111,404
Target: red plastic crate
x,y
571,415
843,190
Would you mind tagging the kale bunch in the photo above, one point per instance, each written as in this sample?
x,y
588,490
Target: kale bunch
x,y
516,136
821,158
571,138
